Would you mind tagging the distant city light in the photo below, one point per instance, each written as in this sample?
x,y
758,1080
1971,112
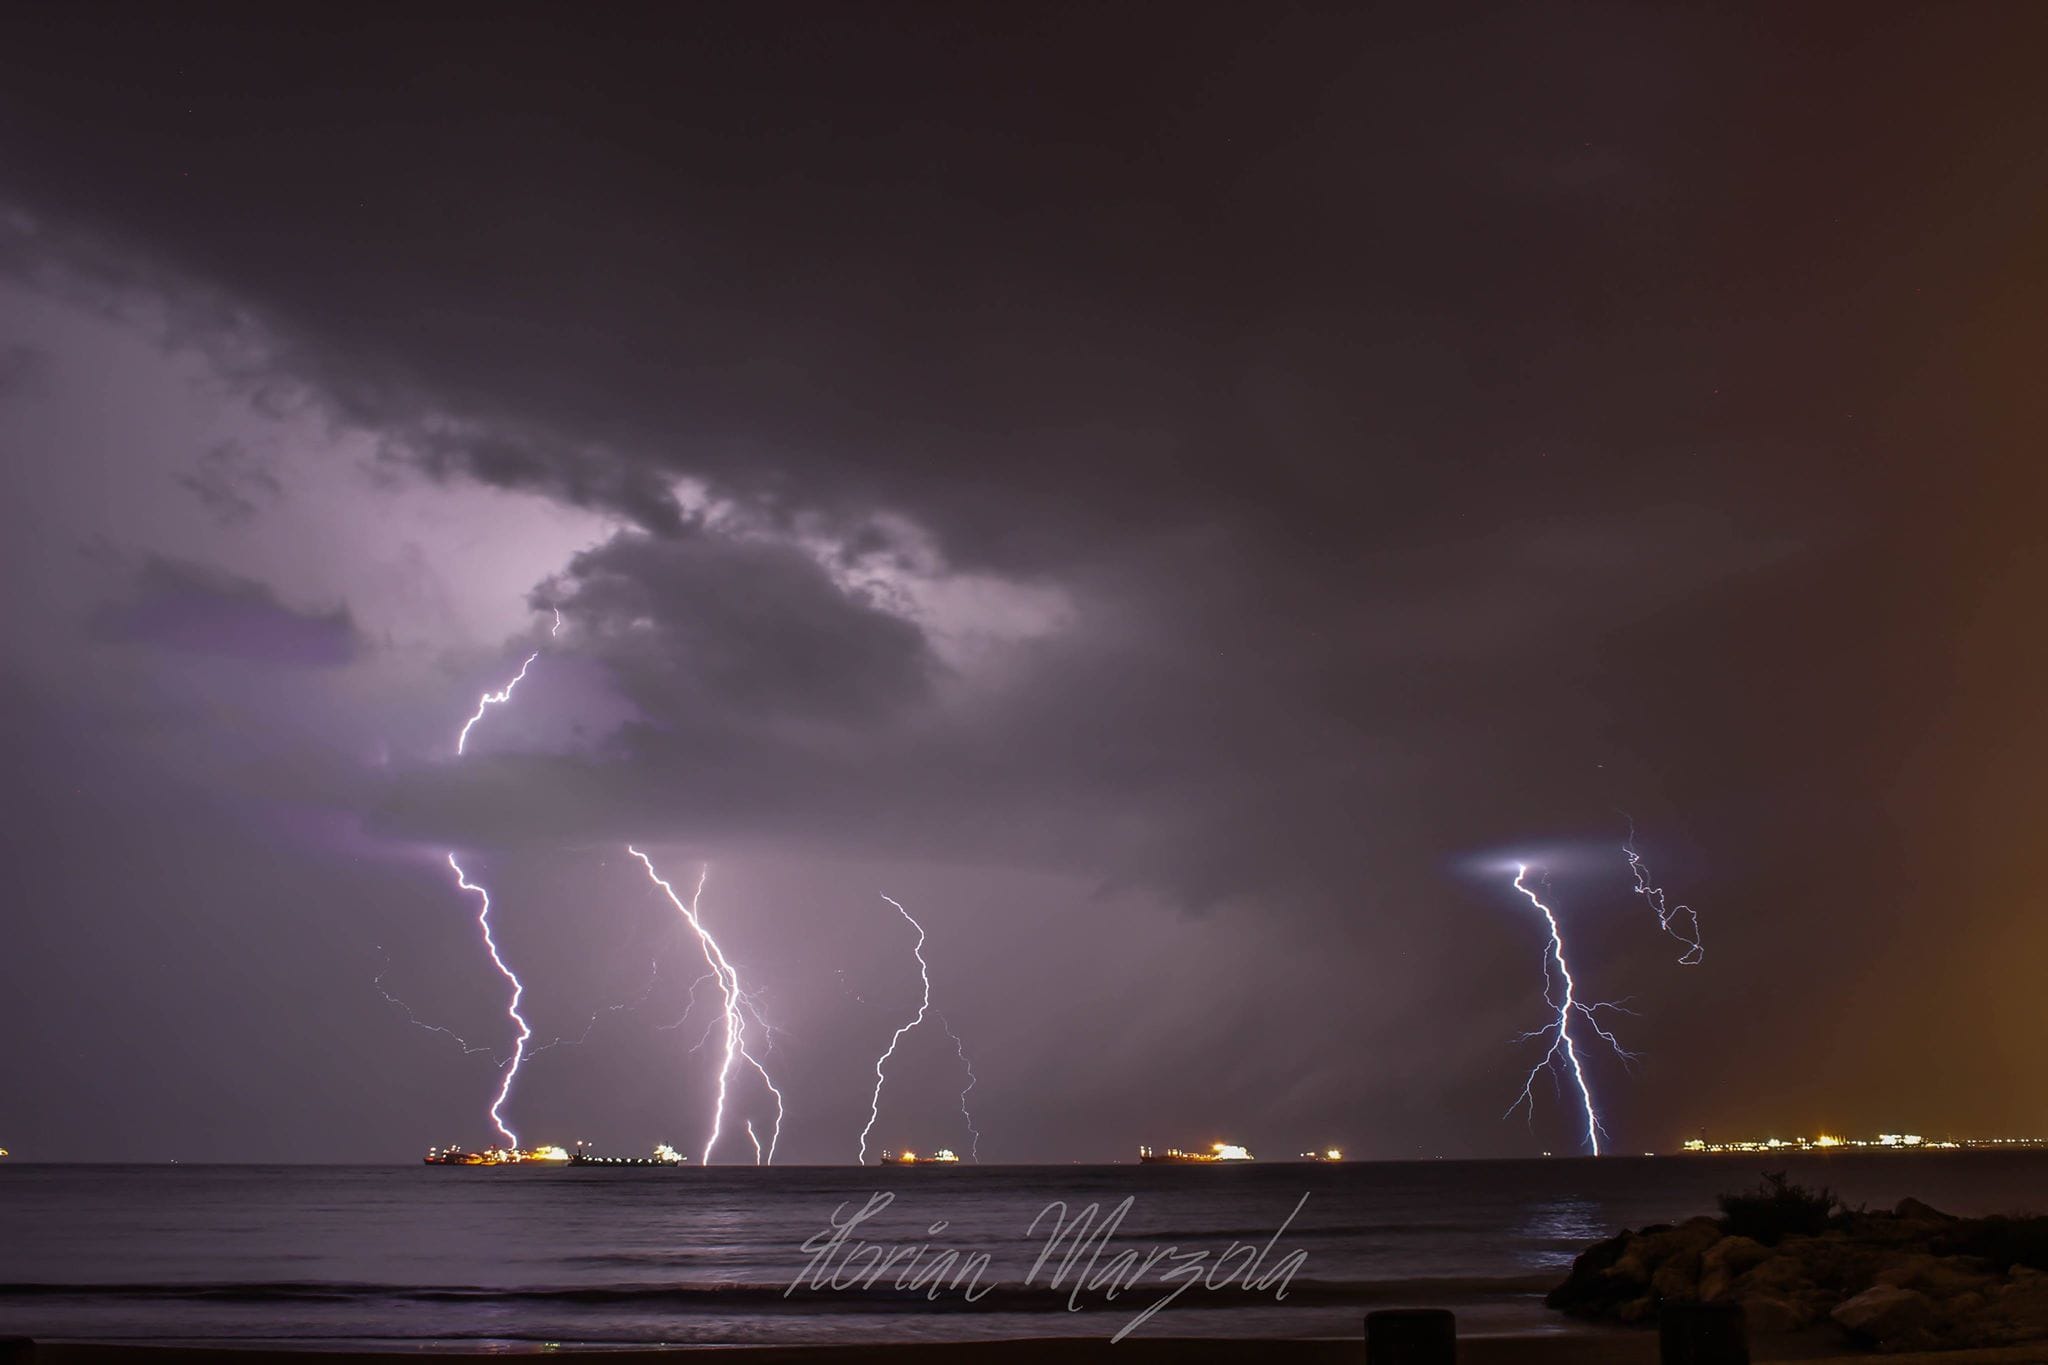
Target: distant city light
x,y
1882,1142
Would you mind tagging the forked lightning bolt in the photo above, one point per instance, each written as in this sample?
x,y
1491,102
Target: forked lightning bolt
x,y
1559,1030
1682,922
483,919
737,1006
924,1005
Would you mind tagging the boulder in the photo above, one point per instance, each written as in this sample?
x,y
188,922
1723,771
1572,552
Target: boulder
x,y
1724,1261
1590,1290
1783,1272
1887,1316
1913,1211
1678,1278
1939,1277
1769,1317
1636,1311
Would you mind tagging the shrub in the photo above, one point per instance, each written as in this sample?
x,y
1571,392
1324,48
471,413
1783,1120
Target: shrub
x,y
1777,1209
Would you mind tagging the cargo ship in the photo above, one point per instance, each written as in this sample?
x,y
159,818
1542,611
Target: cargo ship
x,y
1174,1156
664,1155
943,1157
497,1156
1327,1155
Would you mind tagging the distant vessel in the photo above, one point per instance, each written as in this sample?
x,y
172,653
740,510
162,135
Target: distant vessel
x,y
1174,1156
497,1156
664,1155
1328,1154
943,1157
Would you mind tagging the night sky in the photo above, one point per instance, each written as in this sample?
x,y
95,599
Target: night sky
x,y
1174,498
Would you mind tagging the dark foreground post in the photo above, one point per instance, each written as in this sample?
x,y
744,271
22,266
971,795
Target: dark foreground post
x,y
1411,1336
1702,1334
16,1351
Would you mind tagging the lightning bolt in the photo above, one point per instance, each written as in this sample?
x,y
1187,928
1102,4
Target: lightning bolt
x,y
483,919
737,1007
413,1019
973,1133
1682,922
501,696
1559,1030
590,1026
924,1004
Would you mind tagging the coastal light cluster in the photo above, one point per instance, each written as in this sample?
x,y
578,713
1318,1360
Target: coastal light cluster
x,y
1882,1142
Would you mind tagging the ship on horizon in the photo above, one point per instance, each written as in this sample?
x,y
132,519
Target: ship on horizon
x,y
1174,1156
664,1155
496,1156
945,1156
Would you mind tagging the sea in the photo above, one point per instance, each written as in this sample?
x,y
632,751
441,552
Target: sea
x,y
494,1258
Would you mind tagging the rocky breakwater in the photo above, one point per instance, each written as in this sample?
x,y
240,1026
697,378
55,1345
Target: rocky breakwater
x,y
1913,1278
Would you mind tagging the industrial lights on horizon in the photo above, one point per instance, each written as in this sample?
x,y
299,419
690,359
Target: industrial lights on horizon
x,y
1883,1142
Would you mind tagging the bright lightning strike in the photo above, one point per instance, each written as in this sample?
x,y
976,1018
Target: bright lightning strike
x,y
501,696
483,919
1682,922
1560,1030
737,1007
923,1006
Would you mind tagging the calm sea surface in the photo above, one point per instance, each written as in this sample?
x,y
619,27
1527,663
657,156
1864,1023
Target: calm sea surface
x,y
341,1256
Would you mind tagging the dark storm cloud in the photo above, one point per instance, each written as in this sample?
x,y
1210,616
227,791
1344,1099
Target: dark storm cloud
x,y
231,482
196,609
740,631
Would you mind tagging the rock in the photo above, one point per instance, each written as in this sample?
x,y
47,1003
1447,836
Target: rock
x,y
1913,1211
1591,1290
1887,1316
1783,1273
1940,1277
1678,1278
1636,1310
1689,1238
1631,1269
1724,1261
1767,1316
1962,1306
